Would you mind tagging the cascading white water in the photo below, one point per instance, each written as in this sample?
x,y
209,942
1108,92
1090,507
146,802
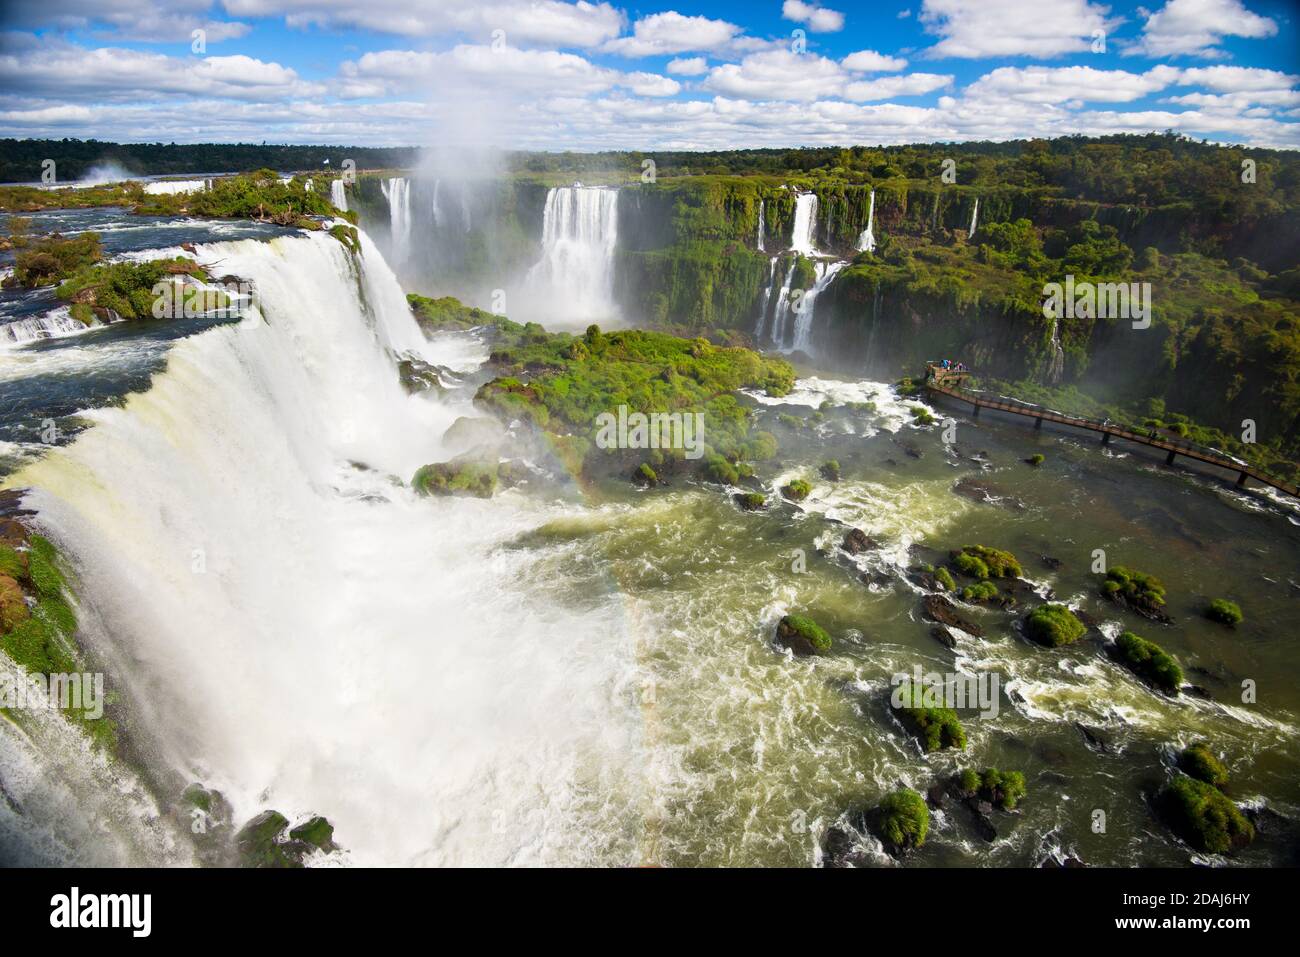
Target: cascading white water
x,y
805,222
292,626
803,322
974,218
50,325
867,241
397,191
767,300
761,226
782,310
573,283
174,187
338,195
1056,361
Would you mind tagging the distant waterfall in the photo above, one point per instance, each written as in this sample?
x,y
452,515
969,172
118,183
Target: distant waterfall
x,y
397,191
767,300
805,222
974,217
803,322
573,282
782,310
338,195
867,241
1056,362
761,227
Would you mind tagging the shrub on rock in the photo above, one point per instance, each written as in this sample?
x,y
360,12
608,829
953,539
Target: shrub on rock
x,y
902,821
1224,611
803,636
797,490
1149,662
1200,762
1054,625
936,726
1204,817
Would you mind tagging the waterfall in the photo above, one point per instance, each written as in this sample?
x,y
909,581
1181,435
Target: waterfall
x,y
974,216
573,282
867,241
805,222
338,195
50,325
761,227
782,310
173,187
1056,362
344,647
436,208
767,299
803,323
397,191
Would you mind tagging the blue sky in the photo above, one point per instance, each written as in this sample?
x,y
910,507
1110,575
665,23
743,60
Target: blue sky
x,y
555,74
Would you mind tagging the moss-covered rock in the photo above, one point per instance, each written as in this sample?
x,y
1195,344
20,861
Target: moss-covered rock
x,y
1054,625
979,561
980,592
803,636
944,579
318,832
456,478
1198,761
830,470
1143,593
1200,814
797,490
1149,662
1223,611
645,476
751,501
936,726
901,821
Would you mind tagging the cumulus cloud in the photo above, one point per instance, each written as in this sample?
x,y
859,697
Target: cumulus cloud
x,y
553,22
692,66
1035,28
869,61
665,34
126,19
911,84
817,18
1040,84
1195,27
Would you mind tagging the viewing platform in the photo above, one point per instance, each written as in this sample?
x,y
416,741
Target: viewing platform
x,y
953,382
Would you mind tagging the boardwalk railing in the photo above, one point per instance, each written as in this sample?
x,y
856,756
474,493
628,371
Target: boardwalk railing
x,y
1191,450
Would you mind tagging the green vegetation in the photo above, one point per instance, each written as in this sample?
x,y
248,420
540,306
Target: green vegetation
x,y
645,475
751,501
53,258
944,578
1203,817
457,478
1222,610
450,314
259,195
1150,662
1036,459
126,289
979,592
1201,763
921,415
1002,789
902,820
38,627
830,470
979,561
937,727
803,634
1054,625
567,385
1140,591
797,490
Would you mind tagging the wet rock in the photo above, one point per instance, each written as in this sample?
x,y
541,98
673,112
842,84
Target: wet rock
x,y
1094,739
318,832
416,375
1196,691
841,847
1053,564
857,541
1068,861
939,609
803,636
942,635
981,813
986,493
937,796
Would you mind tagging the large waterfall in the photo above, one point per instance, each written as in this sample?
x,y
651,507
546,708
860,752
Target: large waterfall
x,y
573,283
397,191
805,222
287,622
867,241
338,195
803,322
761,226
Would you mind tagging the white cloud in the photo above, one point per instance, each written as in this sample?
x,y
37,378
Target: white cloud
x,y
1040,84
694,66
1195,27
651,84
126,19
578,24
911,84
778,75
869,61
818,19
1033,28
664,34
1238,79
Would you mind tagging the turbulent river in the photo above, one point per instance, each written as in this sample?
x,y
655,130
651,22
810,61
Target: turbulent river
x,y
550,677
